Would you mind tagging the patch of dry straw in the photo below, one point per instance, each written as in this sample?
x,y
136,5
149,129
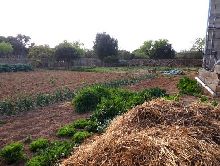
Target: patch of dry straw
x,y
158,132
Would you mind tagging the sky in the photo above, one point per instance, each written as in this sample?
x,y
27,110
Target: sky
x,y
131,22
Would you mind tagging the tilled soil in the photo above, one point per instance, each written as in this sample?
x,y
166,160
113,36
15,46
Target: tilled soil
x,y
17,84
163,82
42,122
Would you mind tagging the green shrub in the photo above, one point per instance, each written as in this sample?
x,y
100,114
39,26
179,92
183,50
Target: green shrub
x,y
87,99
149,94
80,136
214,103
15,67
204,98
7,108
12,152
189,86
39,144
51,154
66,131
175,97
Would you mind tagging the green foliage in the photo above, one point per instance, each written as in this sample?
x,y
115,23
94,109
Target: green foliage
x,y
41,55
214,103
39,144
198,45
15,67
87,99
175,97
12,152
204,98
81,123
189,86
27,103
159,49
120,101
66,52
5,48
80,136
66,131
126,55
105,46
51,154
189,55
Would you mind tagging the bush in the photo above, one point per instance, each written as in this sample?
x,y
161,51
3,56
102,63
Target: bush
x,y
87,99
80,136
51,154
66,131
12,152
120,101
189,87
15,67
39,144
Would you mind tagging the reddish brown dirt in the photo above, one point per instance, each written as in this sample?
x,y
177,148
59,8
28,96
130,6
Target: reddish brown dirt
x,y
42,122
29,83
167,83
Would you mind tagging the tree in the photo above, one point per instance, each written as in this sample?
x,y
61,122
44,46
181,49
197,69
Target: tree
x,y
126,55
66,52
159,49
106,47
41,54
5,49
20,44
198,45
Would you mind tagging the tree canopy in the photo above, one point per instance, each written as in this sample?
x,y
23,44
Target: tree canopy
x,y
5,49
159,49
106,47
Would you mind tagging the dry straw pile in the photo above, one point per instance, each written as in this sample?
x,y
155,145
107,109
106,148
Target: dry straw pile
x,y
156,133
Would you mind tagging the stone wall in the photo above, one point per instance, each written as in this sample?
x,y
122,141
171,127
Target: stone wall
x,y
166,62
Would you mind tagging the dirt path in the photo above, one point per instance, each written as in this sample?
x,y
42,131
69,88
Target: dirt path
x,y
42,122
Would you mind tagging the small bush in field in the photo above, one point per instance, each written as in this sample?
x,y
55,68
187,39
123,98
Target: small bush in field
x,y
50,155
39,144
66,131
189,86
13,152
87,99
80,136
86,124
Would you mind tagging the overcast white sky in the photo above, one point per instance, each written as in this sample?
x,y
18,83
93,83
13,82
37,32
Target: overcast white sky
x,y
130,21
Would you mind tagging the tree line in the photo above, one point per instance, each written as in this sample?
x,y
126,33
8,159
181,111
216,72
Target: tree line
x,y
105,48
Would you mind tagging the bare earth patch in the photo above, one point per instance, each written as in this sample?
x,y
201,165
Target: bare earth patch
x,y
42,122
13,85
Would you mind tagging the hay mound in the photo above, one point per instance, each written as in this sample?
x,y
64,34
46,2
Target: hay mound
x,y
156,133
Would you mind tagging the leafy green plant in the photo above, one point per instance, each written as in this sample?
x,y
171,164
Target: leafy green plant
x,y
13,152
66,131
87,99
39,144
51,154
214,103
86,124
80,136
204,98
15,67
189,86
175,97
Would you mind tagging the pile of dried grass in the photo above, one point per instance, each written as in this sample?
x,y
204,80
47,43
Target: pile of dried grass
x,y
156,133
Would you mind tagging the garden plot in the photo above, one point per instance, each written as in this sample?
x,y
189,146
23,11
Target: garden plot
x,y
18,84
